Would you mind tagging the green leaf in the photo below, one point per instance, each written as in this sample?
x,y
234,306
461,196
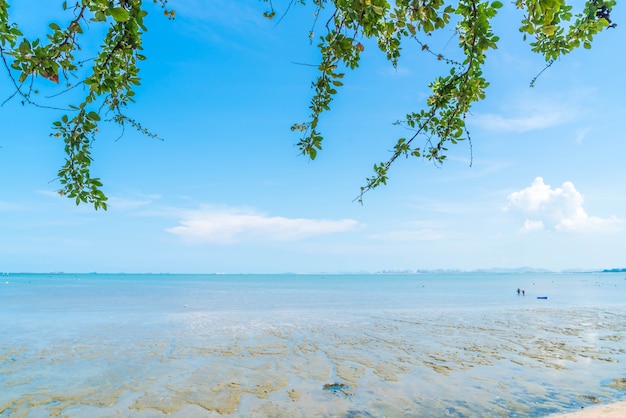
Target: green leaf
x,y
93,116
378,10
120,14
549,30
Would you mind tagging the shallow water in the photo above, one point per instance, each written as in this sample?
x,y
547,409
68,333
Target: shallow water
x,y
459,345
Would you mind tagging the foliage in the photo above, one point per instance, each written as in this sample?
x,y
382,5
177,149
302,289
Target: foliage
x,y
110,75
551,24
109,78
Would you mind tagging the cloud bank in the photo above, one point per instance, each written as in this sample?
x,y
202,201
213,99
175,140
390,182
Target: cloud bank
x,y
209,225
560,209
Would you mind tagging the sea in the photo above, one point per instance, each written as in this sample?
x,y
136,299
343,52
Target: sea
x,y
327,345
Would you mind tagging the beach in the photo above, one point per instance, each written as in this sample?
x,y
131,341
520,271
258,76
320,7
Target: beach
x,y
311,346
614,410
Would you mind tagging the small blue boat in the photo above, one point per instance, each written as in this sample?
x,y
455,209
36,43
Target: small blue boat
x,y
542,297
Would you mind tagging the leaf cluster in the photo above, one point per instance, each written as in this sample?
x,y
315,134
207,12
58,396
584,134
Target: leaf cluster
x,y
109,78
441,120
110,74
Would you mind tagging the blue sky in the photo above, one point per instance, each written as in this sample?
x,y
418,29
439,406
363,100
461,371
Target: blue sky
x,y
226,191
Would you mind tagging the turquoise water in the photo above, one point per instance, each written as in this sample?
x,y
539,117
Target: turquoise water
x,y
440,345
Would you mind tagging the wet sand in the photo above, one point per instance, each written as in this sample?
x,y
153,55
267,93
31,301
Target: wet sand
x,y
350,357
393,364
614,410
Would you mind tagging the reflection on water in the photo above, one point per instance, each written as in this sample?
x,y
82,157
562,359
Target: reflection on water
x,y
457,346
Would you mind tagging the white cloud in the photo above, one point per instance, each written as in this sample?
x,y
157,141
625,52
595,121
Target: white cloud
x,y
49,193
398,71
581,134
123,203
560,209
531,122
531,226
530,113
211,225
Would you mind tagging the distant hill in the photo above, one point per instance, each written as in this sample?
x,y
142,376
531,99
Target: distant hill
x,y
622,270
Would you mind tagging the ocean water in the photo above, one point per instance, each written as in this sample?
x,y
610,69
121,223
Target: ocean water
x,y
422,345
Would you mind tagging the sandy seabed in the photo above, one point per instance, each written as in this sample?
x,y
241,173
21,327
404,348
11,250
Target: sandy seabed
x,y
388,364
614,410
364,347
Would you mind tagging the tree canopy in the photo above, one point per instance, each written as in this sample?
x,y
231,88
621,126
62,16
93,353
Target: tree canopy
x,y
110,73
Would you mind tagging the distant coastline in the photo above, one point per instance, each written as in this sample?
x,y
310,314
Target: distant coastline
x,y
493,270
